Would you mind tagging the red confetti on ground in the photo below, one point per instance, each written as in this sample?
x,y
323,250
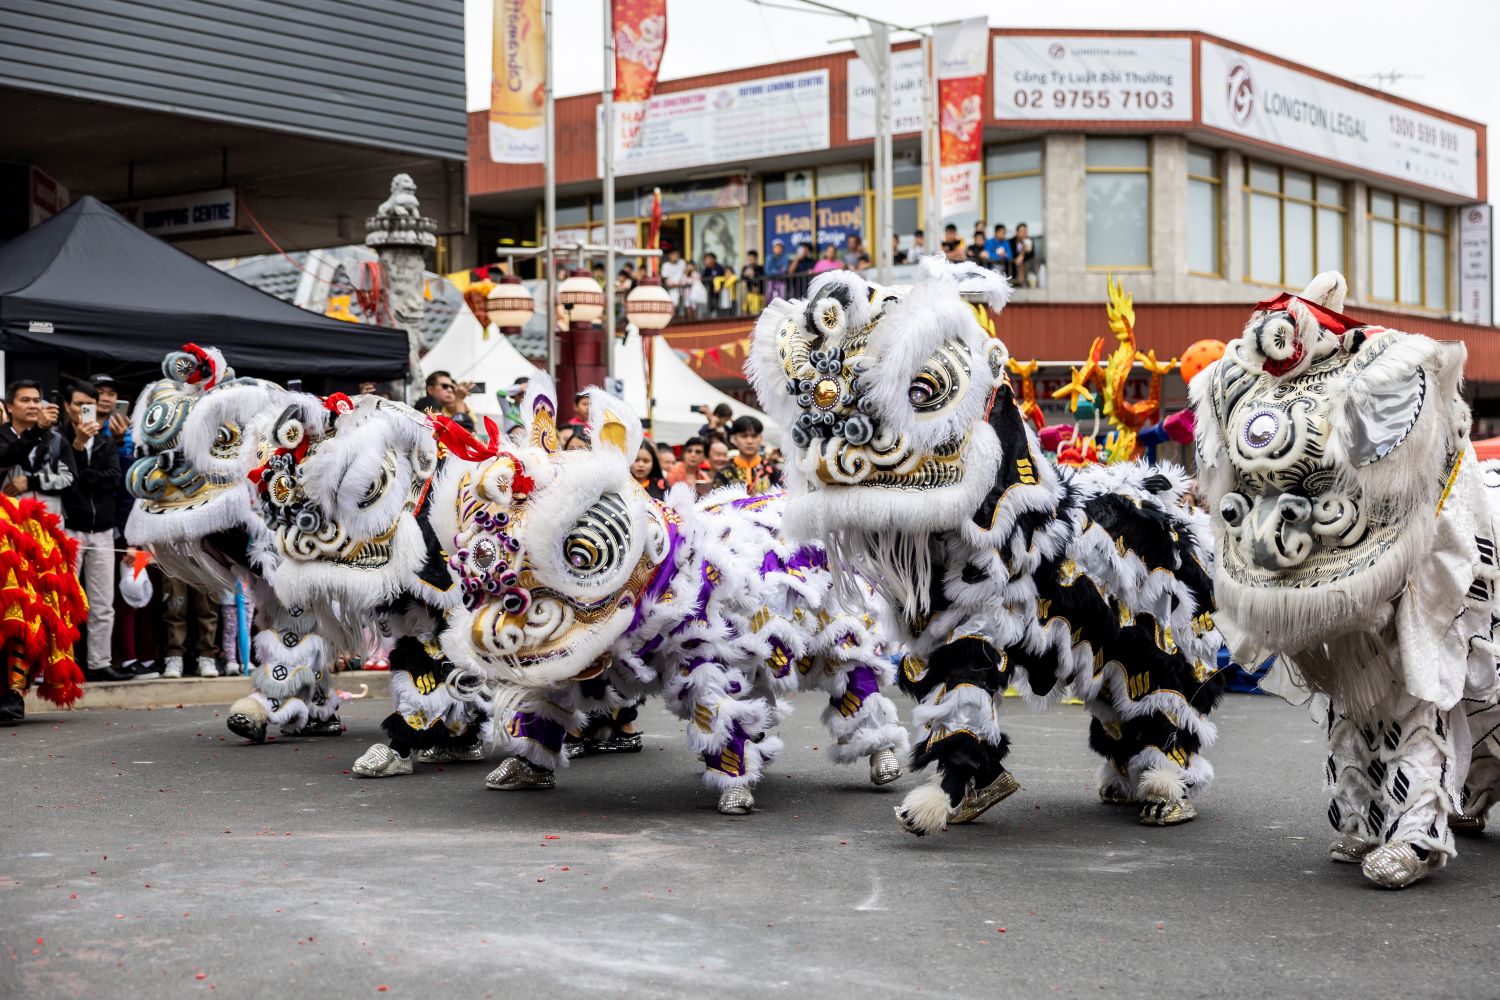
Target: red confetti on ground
x,y
843,843
1160,926
564,868
40,941
72,895
551,836
1000,929
201,975
983,941
346,772
382,989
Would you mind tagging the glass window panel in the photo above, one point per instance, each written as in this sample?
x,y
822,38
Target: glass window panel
x,y
906,168
1296,184
1117,153
1437,271
1264,177
1118,220
1409,263
773,187
1410,210
1435,216
1203,227
841,178
1330,192
571,213
1382,204
1264,234
1383,260
905,216
1013,158
1297,244
1330,240
1011,201
1203,162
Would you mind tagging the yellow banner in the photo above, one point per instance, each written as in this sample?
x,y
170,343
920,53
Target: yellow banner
x,y
518,81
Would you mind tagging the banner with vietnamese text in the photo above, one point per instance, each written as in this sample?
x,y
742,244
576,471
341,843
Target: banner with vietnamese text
x,y
518,83
640,30
960,56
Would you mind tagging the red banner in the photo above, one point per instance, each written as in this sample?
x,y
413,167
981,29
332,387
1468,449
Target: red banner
x,y
961,56
640,32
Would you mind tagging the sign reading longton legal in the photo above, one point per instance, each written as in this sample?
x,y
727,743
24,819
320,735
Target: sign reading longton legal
x,y
960,59
640,28
1253,97
1093,78
729,124
518,80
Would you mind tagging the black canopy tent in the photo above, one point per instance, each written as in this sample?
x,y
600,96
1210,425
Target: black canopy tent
x,y
88,288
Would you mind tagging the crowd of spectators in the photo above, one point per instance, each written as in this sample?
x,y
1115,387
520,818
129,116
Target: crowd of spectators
x,y
70,451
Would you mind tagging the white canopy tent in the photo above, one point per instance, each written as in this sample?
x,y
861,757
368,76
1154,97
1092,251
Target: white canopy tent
x,y
465,354
678,390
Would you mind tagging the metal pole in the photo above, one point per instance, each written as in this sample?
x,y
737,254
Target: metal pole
x,y
607,92
932,211
884,113
549,210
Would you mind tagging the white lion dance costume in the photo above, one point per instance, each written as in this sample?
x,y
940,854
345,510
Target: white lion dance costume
x,y
582,593
911,463
1357,540
345,492
197,432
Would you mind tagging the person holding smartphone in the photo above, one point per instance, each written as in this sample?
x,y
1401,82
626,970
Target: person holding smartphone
x,y
32,452
89,515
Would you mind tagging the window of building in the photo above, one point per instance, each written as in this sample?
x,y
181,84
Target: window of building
x,y
841,178
1205,211
1408,251
1118,187
817,206
1013,187
1294,225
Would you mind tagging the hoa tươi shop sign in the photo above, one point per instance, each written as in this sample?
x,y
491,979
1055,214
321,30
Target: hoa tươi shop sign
x,y
749,120
832,221
1093,78
1246,96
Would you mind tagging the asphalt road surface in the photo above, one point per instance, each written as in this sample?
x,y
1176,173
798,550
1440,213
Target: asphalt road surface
x,y
144,854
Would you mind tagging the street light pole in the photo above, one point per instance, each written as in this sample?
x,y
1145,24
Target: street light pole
x,y
549,209
607,93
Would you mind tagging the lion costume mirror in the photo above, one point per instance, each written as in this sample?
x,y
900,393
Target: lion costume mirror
x,y
912,465
1356,539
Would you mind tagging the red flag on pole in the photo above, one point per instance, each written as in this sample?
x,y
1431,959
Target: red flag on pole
x,y
640,29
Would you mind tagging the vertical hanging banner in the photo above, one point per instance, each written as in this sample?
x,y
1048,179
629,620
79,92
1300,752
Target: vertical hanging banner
x,y
518,83
960,55
640,28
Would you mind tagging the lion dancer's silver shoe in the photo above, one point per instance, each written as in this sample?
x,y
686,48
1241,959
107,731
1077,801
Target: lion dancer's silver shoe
x,y
736,800
451,755
380,761
1349,849
978,801
885,766
1395,866
519,774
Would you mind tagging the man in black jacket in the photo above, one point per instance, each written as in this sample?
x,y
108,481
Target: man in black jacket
x,y
89,515
33,459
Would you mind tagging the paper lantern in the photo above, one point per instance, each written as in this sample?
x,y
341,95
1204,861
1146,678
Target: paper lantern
x,y
648,305
581,298
510,304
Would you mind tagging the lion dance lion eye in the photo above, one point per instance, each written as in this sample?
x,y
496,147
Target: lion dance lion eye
x,y
600,540
928,390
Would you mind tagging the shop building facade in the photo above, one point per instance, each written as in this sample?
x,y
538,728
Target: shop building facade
x,y
1203,174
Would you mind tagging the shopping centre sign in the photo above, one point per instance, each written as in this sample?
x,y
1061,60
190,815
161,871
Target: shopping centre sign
x,y
1243,95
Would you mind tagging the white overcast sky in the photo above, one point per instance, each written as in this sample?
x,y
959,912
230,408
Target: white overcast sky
x,y
1447,48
